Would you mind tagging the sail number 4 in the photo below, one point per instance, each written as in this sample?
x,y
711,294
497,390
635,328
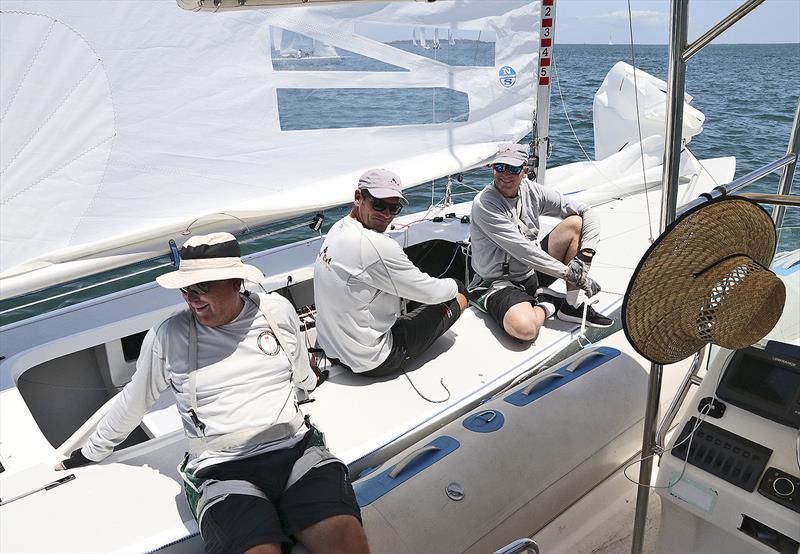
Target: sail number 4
x,y
507,76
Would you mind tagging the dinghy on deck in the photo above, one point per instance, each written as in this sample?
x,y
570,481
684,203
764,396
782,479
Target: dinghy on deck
x,y
60,369
368,423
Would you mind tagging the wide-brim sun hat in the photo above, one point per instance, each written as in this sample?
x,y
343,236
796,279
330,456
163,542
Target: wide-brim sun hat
x,y
706,279
213,257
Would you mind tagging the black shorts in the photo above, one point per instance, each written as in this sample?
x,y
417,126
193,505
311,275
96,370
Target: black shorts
x,y
504,299
241,522
415,332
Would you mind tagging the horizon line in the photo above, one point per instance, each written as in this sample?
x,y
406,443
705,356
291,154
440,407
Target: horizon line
x,y
667,44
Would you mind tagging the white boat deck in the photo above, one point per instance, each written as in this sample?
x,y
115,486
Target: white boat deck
x,y
359,415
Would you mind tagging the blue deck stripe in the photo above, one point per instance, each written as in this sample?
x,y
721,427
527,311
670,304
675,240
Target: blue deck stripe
x,y
519,398
372,489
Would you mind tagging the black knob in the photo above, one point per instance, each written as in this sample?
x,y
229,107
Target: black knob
x,y
783,486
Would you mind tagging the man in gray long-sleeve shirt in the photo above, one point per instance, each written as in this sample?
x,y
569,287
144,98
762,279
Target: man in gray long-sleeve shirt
x,y
360,279
512,260
257,473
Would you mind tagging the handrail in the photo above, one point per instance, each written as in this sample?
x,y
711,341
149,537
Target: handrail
x,y
520,546
774,199
402,464
720,28
785,185
689,379
762,171
741,182
538,380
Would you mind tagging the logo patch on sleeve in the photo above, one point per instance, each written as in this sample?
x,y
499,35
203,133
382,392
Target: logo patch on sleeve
x,y
268,343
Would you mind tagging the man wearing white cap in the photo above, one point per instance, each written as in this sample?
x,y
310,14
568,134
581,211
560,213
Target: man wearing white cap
x,y
361,277
513,261
257,473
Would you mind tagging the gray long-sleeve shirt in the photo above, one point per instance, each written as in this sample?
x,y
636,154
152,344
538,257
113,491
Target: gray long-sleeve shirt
x,y
244,379
360,277
497,236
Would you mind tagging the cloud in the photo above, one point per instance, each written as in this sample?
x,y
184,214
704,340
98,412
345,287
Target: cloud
x,y
644,17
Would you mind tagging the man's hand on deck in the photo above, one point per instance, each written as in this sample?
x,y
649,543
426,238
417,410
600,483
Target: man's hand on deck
x,y
76,459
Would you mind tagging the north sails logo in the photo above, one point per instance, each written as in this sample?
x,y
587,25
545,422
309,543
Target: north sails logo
x,y
507,76
268,343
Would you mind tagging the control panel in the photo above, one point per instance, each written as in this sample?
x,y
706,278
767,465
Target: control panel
x,y
782,487
728,456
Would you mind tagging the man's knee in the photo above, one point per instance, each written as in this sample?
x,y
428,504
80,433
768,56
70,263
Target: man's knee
x,y
523,322
338,534
525,331
574,223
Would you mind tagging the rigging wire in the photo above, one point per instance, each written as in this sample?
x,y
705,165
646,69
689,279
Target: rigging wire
x,y
592,162
639,124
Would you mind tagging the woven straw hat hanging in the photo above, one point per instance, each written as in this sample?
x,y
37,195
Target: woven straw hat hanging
x,y
705,280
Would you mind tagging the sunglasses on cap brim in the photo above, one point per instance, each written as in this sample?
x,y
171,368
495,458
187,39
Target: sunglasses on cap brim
x,y
198,288
380,205
513,169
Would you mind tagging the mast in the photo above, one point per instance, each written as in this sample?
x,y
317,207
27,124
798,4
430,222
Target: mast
x,y
541,125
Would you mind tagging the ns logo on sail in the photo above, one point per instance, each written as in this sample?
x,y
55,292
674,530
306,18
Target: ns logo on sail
x,y
507,76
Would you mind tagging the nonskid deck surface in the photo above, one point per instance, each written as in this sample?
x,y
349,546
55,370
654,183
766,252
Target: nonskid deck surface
x,y
359,415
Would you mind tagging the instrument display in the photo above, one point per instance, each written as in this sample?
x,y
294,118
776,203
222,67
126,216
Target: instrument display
x,y
764,383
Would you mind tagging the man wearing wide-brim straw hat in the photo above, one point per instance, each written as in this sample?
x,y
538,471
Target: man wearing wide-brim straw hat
x,y
257,474
706,279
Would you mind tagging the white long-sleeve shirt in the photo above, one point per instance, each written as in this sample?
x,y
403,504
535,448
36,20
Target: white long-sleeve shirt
x,y
243,378
496,235
360,277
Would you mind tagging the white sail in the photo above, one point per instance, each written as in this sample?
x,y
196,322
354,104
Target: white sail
x,y
160,120
614,111
414,35
436,44
422,40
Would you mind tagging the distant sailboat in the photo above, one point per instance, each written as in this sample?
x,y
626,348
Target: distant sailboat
x,y
422,41
414,37
436,43
450,38
292,45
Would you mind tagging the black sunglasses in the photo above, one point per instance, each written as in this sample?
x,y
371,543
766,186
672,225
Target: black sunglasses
x,y
198,288
380,205
502,168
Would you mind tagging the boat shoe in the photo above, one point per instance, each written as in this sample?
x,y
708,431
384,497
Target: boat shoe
x,y
574,314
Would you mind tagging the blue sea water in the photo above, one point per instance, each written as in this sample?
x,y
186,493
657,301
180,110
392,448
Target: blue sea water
x,y
748,93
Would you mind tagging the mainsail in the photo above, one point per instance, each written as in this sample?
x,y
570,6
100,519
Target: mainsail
x,y
126,123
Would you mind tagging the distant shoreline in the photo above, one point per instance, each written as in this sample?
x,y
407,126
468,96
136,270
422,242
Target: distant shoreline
x,y
665,44
713,45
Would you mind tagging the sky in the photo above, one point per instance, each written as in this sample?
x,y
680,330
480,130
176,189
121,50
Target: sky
x,y
601,21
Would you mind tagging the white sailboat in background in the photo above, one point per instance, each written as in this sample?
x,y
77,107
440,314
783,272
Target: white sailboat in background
x,y
208,152
295,46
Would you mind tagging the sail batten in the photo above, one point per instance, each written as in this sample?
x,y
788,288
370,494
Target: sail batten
x,y
125,123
